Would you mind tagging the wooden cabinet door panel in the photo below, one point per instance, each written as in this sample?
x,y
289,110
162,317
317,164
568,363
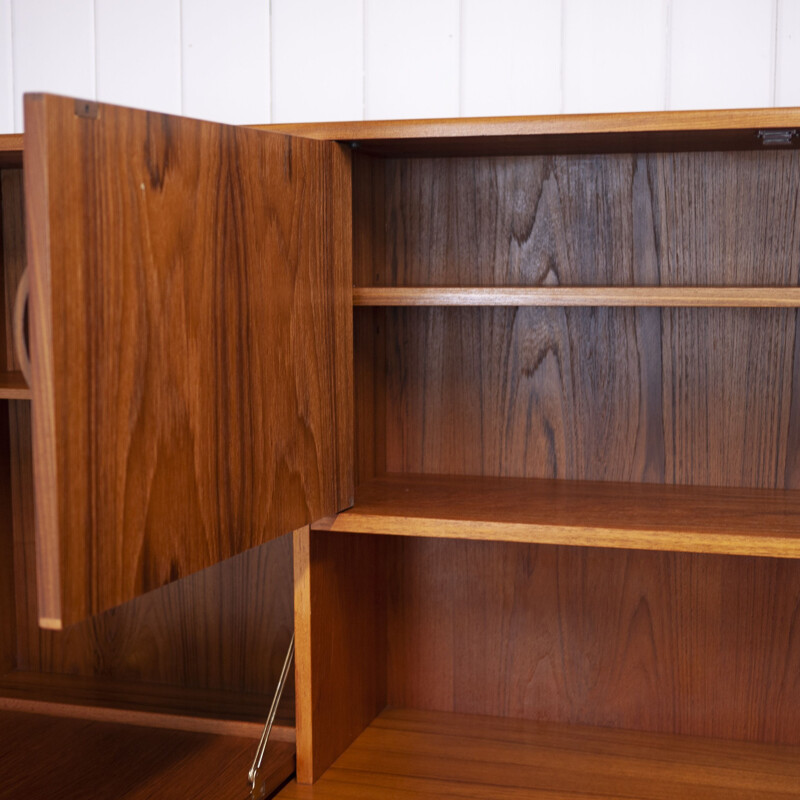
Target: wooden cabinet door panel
x,y
191,344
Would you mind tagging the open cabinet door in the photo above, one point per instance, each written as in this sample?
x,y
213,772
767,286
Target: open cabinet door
x,y
191,344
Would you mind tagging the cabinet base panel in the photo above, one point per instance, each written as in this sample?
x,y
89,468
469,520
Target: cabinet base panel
x,y
68,759
421,754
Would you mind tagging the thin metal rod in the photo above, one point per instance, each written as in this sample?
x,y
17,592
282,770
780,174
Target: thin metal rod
x,y
262,745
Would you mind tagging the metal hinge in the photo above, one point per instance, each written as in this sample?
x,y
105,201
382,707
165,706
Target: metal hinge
x,y
777,137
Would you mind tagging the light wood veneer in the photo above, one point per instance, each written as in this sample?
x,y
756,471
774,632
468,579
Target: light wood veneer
x,y
427,755
694,519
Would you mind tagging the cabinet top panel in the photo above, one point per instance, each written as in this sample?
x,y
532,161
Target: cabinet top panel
x,y
738,129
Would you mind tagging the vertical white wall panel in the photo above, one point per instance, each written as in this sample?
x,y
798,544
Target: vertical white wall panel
x,y
510,57
53,48
787,76
138,53
6,71
411,58
225,60
722,53
615,55
317,60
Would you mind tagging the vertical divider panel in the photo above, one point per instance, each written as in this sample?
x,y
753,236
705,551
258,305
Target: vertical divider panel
x,y
340,643
7,606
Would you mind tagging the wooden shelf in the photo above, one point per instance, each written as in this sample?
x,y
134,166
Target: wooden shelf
x,y
652,296
148,704
72,759
11,150
13,386
692,519
432,754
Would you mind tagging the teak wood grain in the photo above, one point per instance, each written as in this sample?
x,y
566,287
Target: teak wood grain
x,y
565,296
413,754
69,759
734,129
678,643
630,395
716,220
191,340
758,522
221,631
340,658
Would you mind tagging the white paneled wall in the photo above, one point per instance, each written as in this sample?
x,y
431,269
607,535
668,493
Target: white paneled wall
x,y
787,71
318,60
52,48
125,36
300,60
510,57
723,53
6,69
623,55
225,49
411,58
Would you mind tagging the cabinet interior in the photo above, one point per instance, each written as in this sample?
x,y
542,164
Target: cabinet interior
x,y
676,632
658,431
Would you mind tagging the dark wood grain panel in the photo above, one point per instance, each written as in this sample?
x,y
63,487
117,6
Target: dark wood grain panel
x,y
188,343
340,658
413,754
12,259
693,219
675,643
727,396
567,393
592,394
369,360
8,611
369,327
70,759
224,628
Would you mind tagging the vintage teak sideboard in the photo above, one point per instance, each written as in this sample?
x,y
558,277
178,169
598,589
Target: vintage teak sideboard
x,y
527,393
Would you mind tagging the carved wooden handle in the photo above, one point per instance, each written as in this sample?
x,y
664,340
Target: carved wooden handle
x,y
20,345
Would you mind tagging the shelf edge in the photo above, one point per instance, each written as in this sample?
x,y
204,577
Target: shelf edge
x,y
766,546
624,296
